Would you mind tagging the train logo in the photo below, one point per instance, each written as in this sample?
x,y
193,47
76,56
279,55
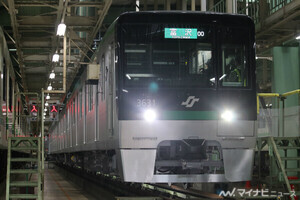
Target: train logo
x,y
190,102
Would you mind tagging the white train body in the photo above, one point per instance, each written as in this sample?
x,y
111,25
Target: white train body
x,y
180,145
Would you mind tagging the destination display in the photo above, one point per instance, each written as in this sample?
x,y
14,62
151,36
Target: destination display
x,y
182,33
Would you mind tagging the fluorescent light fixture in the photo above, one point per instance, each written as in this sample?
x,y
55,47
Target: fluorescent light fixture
x,y
298,37
52,75
48,97
46,104
125,90
61,29
55,57
12,49
49,87
127,75
149,115
223,76
228,115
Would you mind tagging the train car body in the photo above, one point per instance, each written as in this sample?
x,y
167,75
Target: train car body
x,y
9,86
175,101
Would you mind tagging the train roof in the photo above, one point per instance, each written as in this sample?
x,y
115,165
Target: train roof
x,y
185,16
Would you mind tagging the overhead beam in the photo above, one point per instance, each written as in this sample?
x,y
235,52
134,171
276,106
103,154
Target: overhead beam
x,y
37,4
86,4
98,24
276,25
51,20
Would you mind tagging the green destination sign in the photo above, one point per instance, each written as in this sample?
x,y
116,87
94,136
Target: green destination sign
x,y
181,33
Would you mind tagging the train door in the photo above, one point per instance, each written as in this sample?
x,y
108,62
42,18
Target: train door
x,y
69,127
110,89
101,110
96,116
84,113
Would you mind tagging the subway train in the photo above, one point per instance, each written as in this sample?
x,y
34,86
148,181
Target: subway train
x,y
10,84
175,101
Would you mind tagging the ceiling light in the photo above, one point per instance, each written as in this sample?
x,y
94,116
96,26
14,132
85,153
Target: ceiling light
x,y
55,57
48,97
298,37
61,29
52,75
44,113
45,109
49,87
46,104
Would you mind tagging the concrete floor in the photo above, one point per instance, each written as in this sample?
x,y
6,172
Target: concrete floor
x,y
57,188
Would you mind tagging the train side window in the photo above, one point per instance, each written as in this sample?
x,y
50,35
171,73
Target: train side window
x,y
10,94
4,82
80,103
68,117
90,97
18,111
74,111
102,78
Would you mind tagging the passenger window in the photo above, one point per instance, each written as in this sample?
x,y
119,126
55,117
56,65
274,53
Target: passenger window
x,y
90,97
74,111
102,78
80,104
4,82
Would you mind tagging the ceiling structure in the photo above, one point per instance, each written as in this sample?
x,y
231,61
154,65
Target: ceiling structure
x,y
30,29
278,26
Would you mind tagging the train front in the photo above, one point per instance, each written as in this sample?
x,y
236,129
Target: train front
x,y
186,97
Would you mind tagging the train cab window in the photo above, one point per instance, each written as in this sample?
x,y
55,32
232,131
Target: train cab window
x,y
152,57
234,58
200,62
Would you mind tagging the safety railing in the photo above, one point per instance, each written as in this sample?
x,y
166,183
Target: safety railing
x,y
281,165
250,8
277,4
219,7
278,120
257,10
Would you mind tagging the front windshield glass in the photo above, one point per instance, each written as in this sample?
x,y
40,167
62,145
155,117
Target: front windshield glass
x,y
234,57
168,55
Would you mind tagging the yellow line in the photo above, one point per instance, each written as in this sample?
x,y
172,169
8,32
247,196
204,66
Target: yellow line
x,y
60,187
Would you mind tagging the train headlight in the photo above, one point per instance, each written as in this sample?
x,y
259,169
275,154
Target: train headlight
x,y
228,115
149,115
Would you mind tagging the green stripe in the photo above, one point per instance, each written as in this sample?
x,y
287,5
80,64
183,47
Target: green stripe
x,y
190,115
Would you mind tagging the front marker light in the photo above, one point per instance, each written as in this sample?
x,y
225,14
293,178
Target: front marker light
x,y
149,115
228,115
